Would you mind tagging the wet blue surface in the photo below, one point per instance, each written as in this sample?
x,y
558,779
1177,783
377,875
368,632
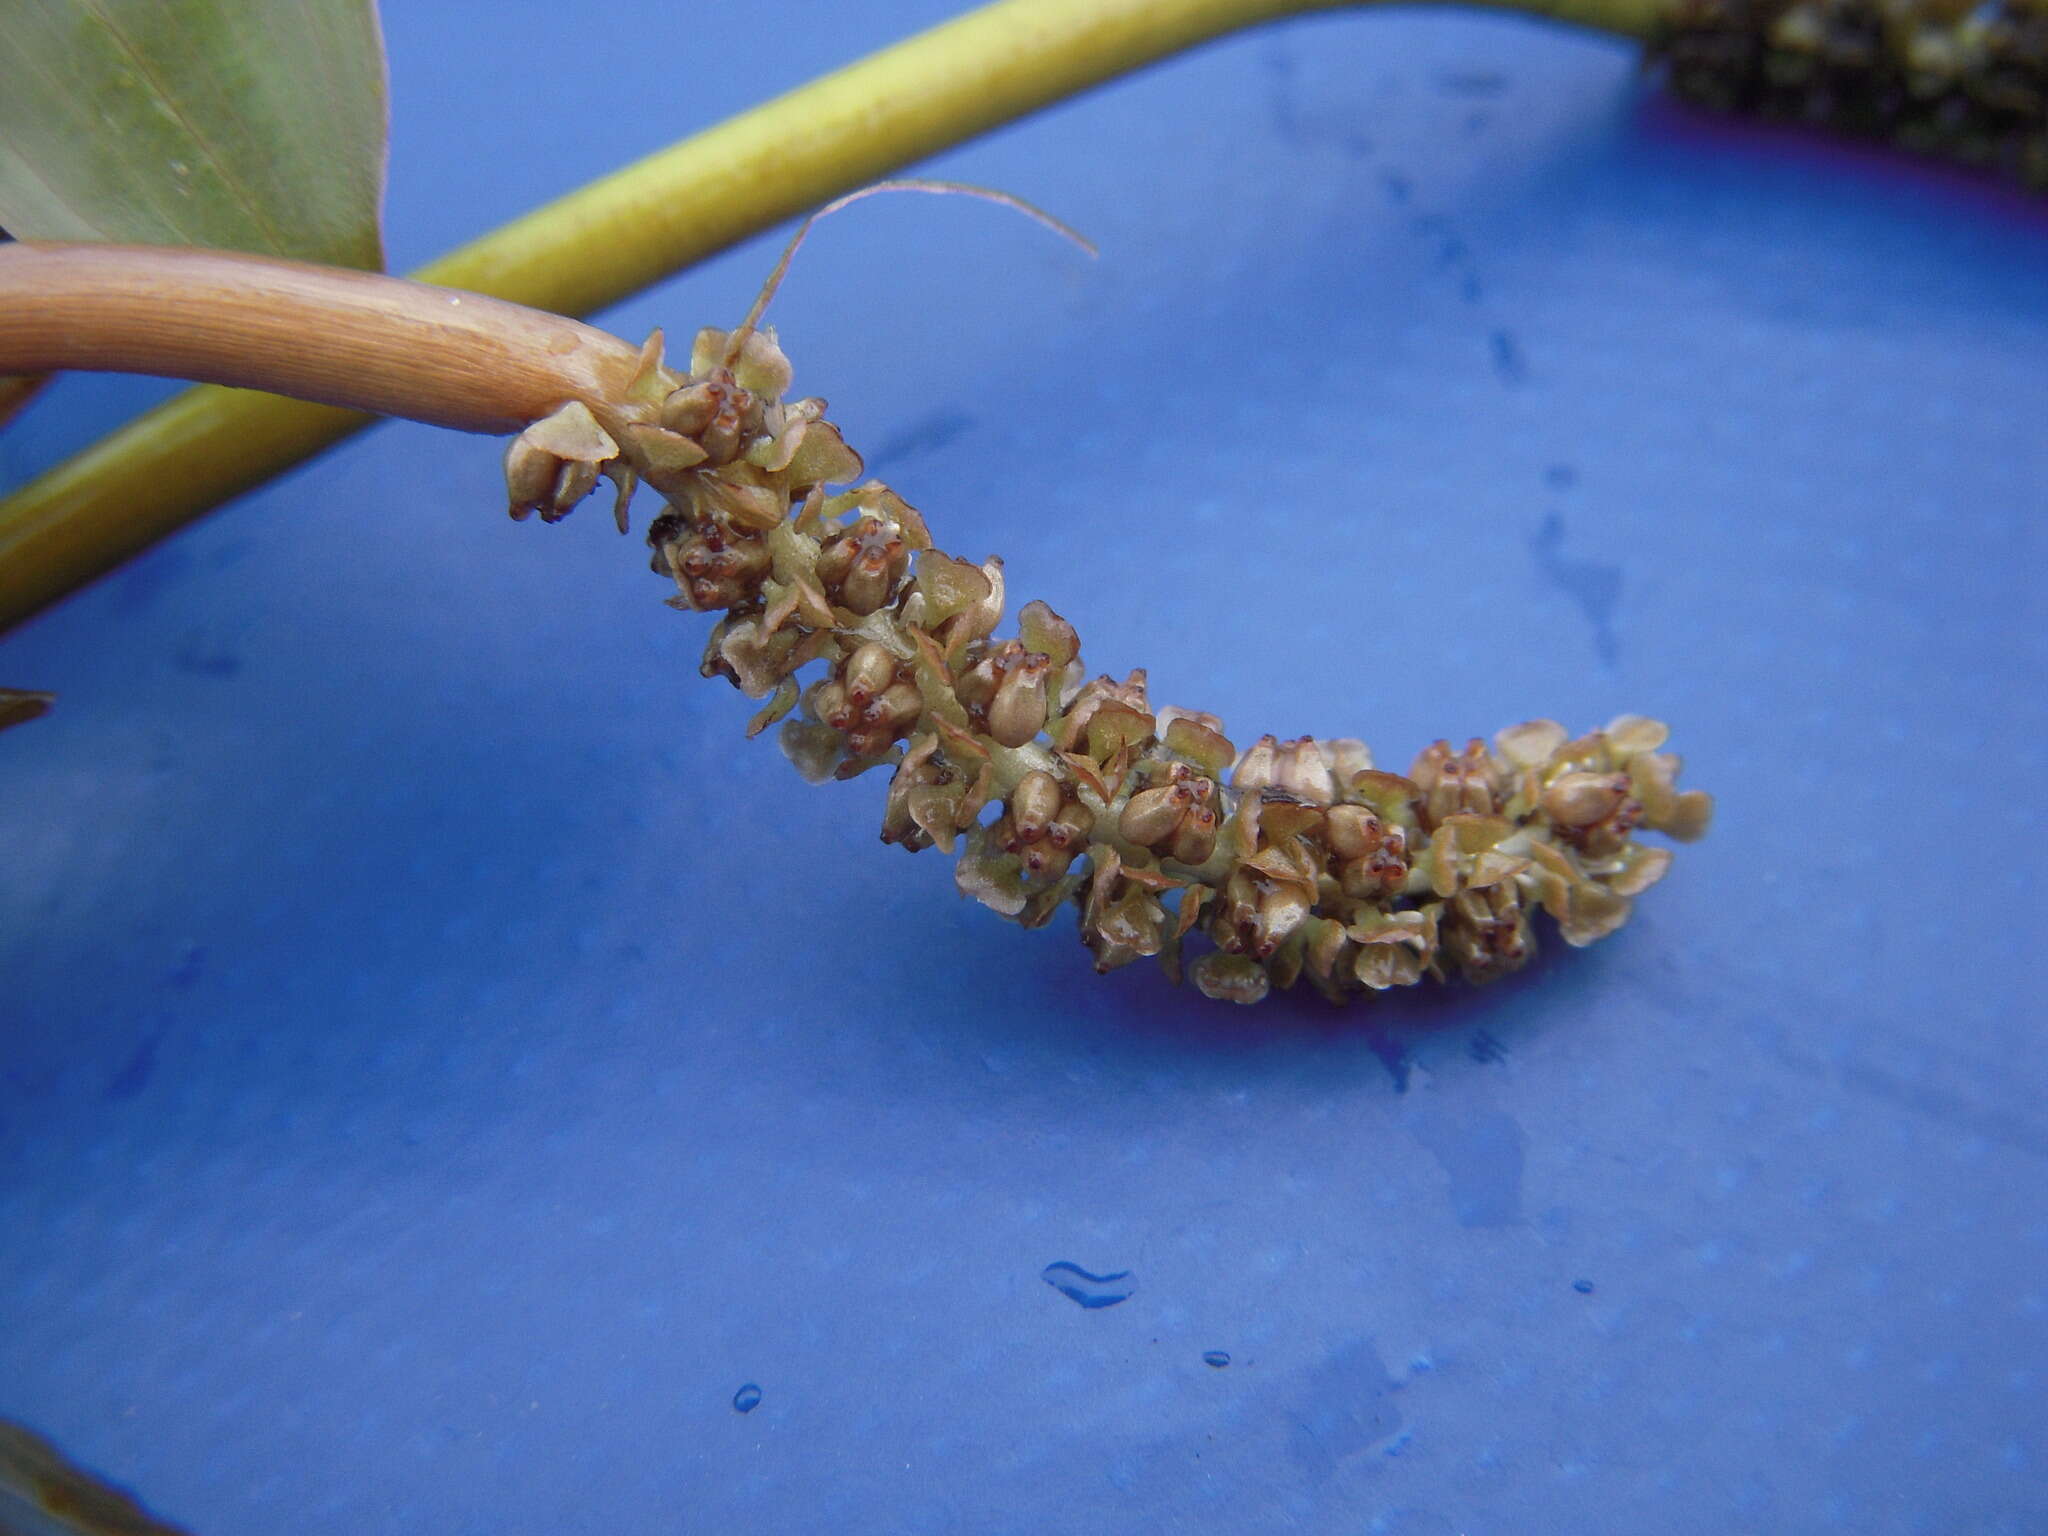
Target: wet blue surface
x,y
1087,1290
441,1058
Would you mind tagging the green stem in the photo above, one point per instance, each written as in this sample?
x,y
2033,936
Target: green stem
x,y
614,237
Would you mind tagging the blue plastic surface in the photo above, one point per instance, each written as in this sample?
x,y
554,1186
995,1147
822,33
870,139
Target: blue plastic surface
x,y
444,1065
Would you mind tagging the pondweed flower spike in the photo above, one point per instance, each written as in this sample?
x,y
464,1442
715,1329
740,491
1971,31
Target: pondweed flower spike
x,y
871,648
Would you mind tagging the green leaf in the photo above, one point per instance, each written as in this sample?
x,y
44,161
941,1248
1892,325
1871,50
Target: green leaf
x,y
248,125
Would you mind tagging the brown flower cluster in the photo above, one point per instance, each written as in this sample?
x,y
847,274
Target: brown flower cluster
x,y
1964,80
1247,867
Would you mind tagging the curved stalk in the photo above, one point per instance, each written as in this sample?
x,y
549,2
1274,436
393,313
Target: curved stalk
x,y
325,334
596,246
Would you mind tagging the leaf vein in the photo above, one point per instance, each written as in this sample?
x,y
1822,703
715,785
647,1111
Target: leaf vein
x,y
251,205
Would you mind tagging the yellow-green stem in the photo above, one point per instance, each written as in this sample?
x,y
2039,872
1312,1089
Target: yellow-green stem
x,y
614,237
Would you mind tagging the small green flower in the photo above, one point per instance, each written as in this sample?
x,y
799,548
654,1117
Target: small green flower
x,y
1456,783
555,463
1122,919
1045,825
991,875
862,568
1230,978
1175,816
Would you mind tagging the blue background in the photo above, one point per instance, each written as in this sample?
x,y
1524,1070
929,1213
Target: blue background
x,y
443,1061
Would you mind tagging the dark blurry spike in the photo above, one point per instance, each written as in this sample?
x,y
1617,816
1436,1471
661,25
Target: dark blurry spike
x,y
1932,76
43,1494
19,706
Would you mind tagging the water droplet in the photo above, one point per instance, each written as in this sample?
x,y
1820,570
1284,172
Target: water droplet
x,y
1215,1359
747,1399
1090,1291
1583,1287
